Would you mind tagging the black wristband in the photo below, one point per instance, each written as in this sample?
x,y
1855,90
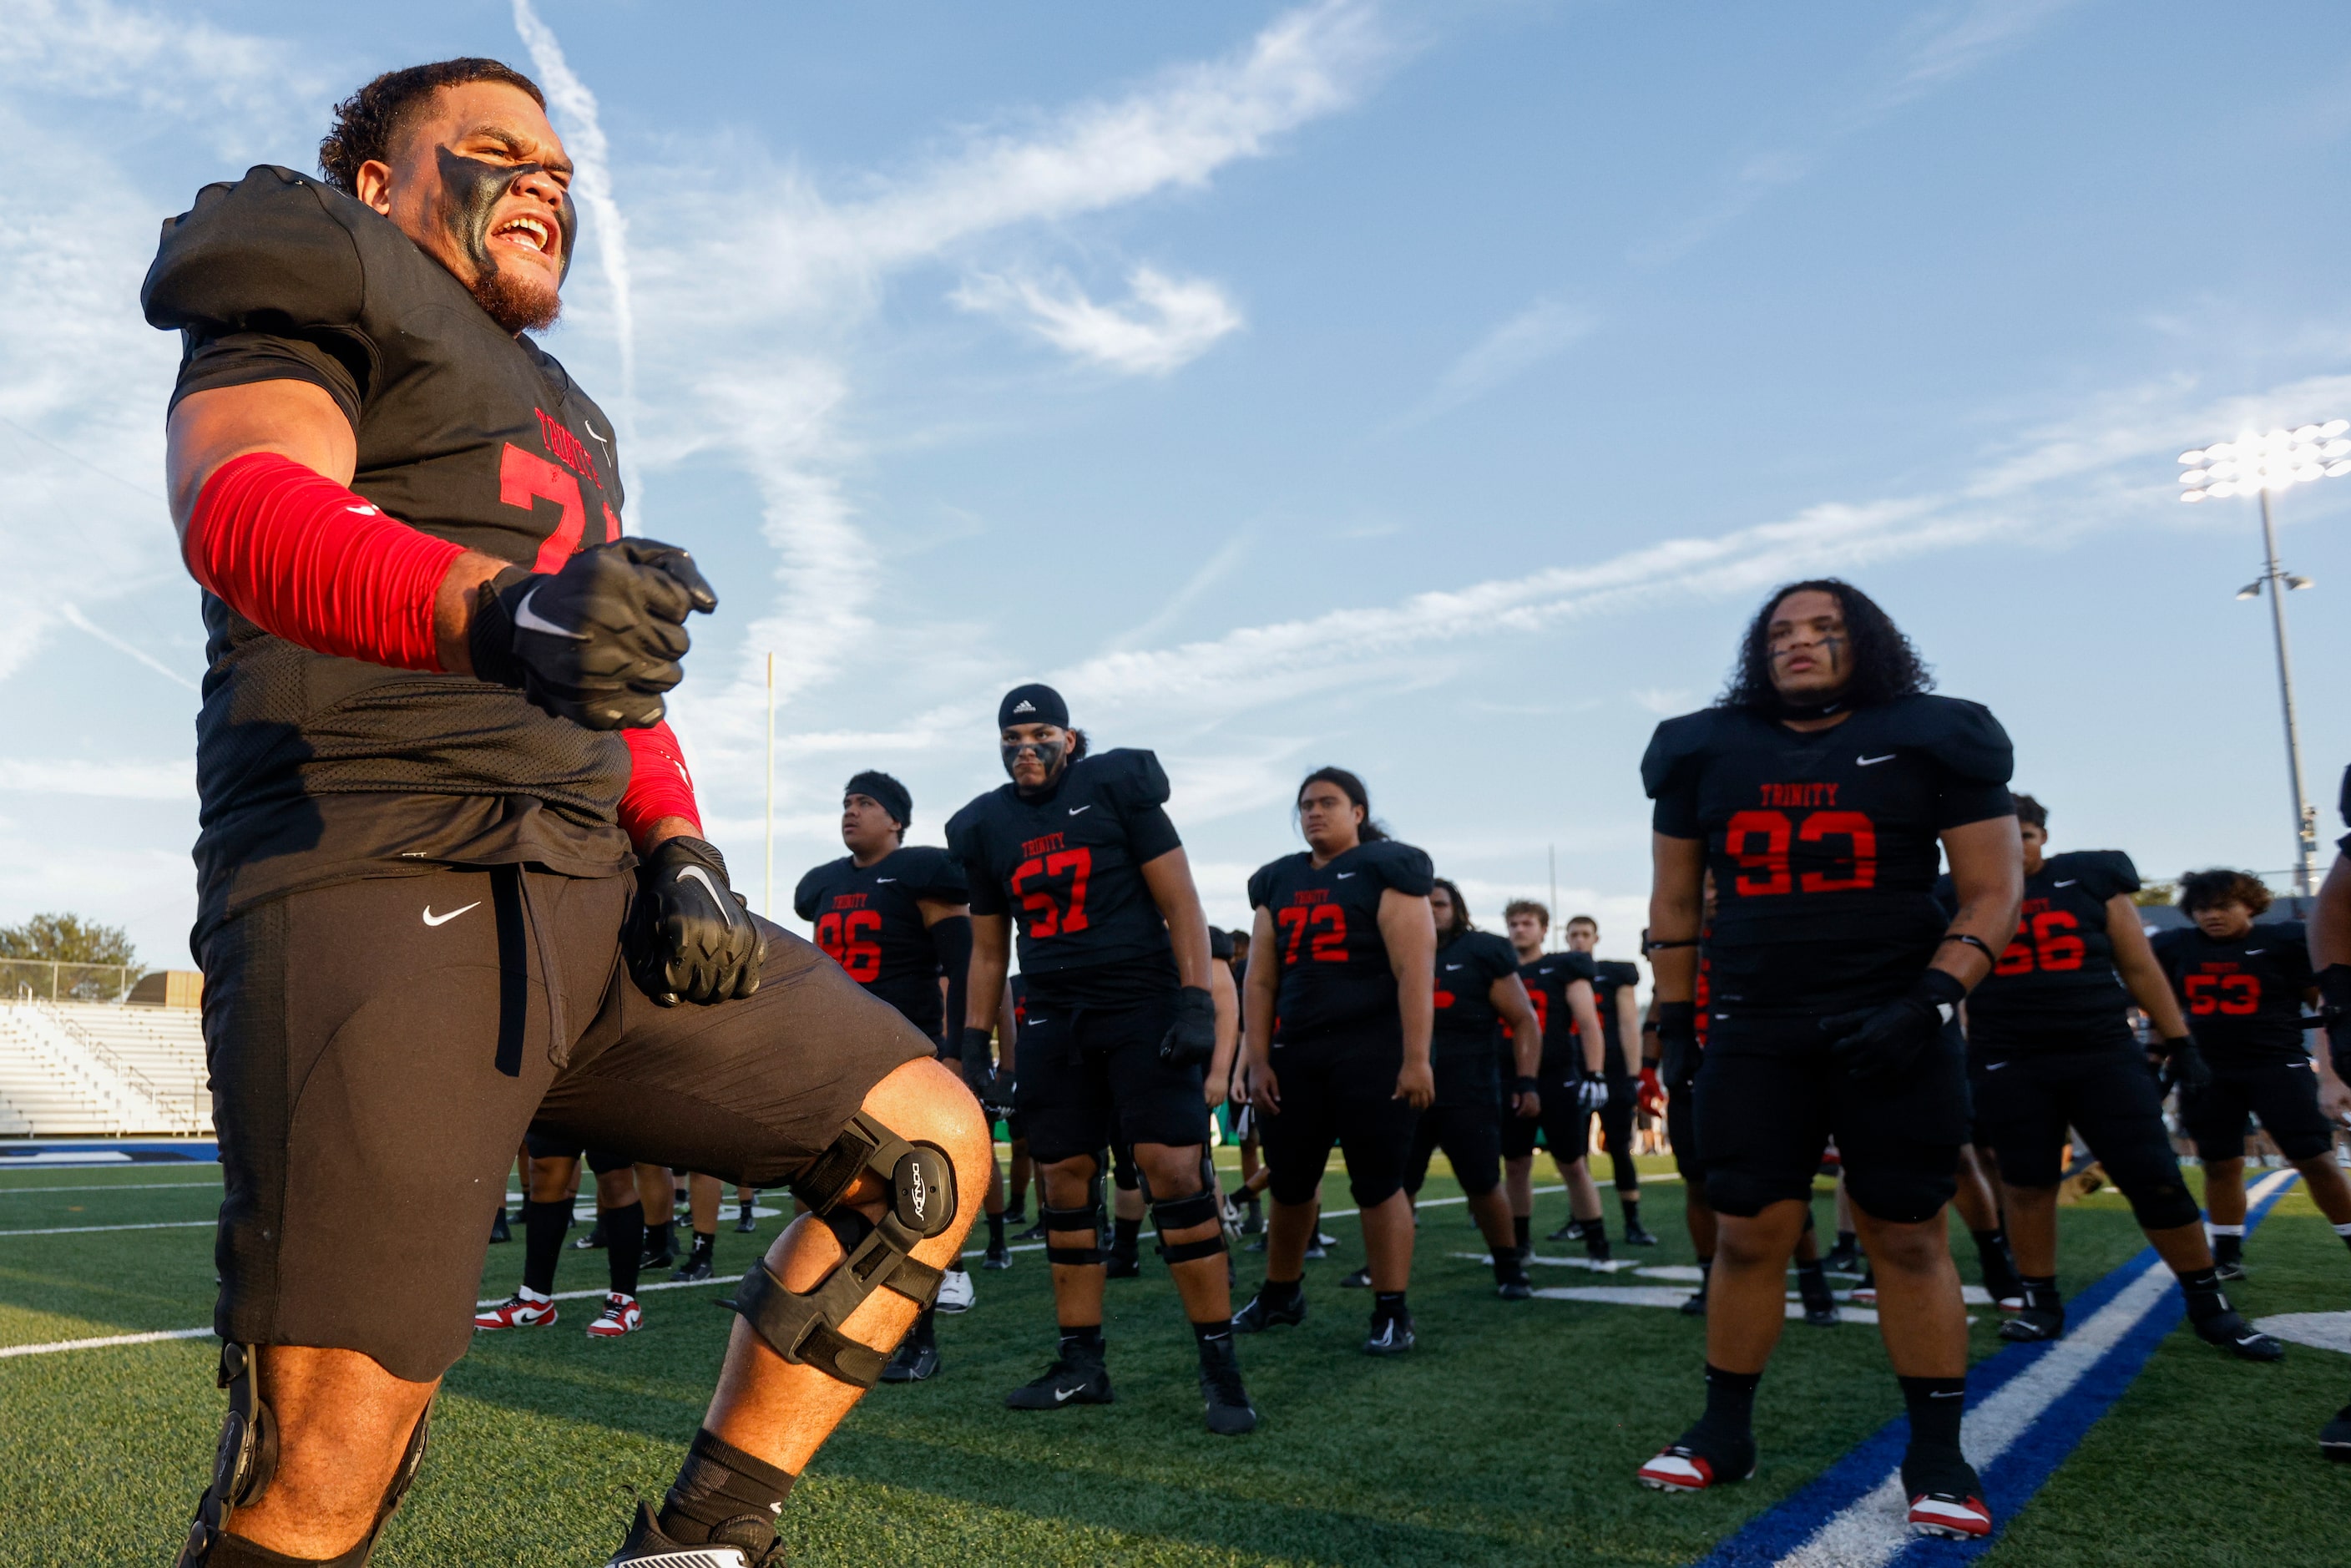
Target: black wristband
x,y
1525,1085
975,1041
1942,987
1681,1014
1977,943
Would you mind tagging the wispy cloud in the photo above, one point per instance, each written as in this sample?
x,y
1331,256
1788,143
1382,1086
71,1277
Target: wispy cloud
x,y
1213,571
161,780
1540,332
72,616
1166,324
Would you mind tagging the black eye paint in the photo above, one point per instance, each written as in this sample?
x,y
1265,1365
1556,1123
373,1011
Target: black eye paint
x,y
470,192
1047,752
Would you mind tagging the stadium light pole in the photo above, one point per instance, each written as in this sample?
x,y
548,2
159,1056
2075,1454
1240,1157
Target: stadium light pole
x,y
2258,464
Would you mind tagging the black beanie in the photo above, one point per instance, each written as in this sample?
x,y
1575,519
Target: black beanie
x,y
1035,703
887,792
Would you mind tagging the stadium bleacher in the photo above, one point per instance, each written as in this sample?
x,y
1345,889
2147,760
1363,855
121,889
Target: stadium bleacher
x,y
98,1068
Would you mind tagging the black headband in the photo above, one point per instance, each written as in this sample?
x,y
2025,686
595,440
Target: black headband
x,y
1035,703
887,792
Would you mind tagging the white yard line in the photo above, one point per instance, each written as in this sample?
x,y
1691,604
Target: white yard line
x,y
86,1229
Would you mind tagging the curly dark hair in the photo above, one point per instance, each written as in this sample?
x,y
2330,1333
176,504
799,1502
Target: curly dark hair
x,y
1461,921
370,122
2032,813
2211,889
1885,664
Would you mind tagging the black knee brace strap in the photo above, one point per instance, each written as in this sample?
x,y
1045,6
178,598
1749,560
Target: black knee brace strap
x,y
805,1327
1183,1214
247,1458
1089,1218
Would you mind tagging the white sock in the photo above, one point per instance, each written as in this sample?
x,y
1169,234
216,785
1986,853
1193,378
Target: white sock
x,y
527,1294
2344,1231
2224,1229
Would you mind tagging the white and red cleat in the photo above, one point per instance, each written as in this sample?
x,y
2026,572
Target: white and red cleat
x,y
1680,1468
621,1315
516,1311
1950,1515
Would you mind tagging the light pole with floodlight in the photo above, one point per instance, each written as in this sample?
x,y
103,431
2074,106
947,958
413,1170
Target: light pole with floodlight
x,y
2258,464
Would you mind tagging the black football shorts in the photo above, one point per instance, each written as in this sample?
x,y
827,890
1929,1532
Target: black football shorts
x,y
600,1162
1471,1138
2283,1094
2027,1099
1338,1088
378,1049
1091,1078
1770,1097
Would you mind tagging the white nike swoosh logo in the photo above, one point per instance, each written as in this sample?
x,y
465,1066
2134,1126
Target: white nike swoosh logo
x,y
2067,882
1452,967
1061,1396
879,880
1344,875
530,620
1873,761
1994,1066
433,919
2256,952
1036,1020
1947,1394
726,905
1075,810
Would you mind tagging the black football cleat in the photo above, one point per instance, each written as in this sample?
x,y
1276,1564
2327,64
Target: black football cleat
x,y
747,1224
912,1362
1638,1234
1225,1402
2335,1438
1123,1263
696,1267
998,1257
647,1546
1390,1336
2033,1325
498,1231
2232,1332
1261,1315
1360,1280
1946,1496
1077,1376
1694,1304
594,1240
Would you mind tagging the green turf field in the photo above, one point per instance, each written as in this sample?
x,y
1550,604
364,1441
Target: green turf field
x,y
1509,1437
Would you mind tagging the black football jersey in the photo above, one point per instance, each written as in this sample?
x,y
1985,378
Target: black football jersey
x,y
869,920
2057,973
1067,865
1610,976
2243,999
1326,931
1547,979
466,432
1467,969
1824,846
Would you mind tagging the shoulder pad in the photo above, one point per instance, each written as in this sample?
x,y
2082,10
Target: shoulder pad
x,y
1496,955
2105,872
962,827
931,872
2342,798
1260,881
1220,943
1579,965
2287,931
812,889
1960,735
1617,971
1131,775
1677,747
273,253
1402,866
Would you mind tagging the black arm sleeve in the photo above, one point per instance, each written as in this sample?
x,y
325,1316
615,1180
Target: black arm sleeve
x,y
951,940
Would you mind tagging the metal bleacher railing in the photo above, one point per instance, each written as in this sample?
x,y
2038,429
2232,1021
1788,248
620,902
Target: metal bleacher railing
x,y
50,980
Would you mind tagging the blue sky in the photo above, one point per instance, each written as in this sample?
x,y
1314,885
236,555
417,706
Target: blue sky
x,y
1428,389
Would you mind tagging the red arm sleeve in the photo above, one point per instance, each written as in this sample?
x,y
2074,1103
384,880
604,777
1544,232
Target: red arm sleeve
x,y
305,559
659,785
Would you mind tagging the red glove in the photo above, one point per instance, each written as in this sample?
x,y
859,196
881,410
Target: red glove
x,y
1652,1094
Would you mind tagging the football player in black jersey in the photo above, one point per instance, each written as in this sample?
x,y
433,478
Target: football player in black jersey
x,y
1340,1007
1817,790
2049,1049
896,918
452,883
1120,1032
2330,956
1569,1081
1615,987
1477,992
2242,982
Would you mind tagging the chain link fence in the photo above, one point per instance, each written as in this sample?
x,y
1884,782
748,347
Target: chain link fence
x,y
48,981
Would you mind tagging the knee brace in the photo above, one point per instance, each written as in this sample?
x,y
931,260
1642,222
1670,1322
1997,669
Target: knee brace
x,y
247,1458
1088,1217
805,1327
1183,1214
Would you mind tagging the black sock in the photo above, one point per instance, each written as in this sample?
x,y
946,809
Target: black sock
x,y
706,1243
1217,1334
745,1206
724,1494
657,1237
1730,1402
1522,1226
1992,1255
1936,1405
1509,1267
1848,1240
1124,1234
1813,1284
543,1225
1281,1293
625,1242
2041,1293
1387,1304
1088,1338
926,1327
2227,1249
1630,1202
1595,1237
996,1232
1704,1274
2205,1297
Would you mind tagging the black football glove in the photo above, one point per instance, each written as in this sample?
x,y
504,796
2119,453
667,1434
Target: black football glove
x,y
1590,1095
691,939
995,1102
597,642
979,1055
2184,1067
1678,1047
1191,1040
2335,1010
1884,1043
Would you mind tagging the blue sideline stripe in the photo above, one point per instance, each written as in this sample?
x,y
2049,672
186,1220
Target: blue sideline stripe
x,y
2020,1470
